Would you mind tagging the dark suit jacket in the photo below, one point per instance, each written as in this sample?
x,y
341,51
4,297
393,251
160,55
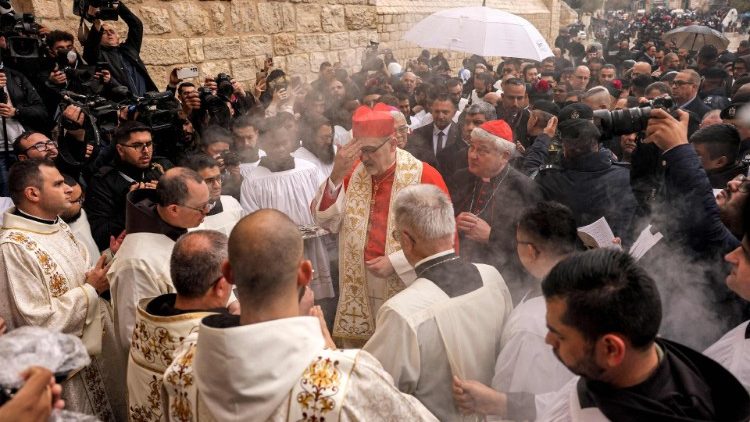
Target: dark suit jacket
x,y
698,107
420,143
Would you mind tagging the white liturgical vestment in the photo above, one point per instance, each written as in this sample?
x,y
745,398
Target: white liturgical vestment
x,y
423,337
42,283
278,371
732,351
324,168
291,192
82,229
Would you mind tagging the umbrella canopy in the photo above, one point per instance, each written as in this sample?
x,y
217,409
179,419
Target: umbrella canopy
x,y
694,37
480,30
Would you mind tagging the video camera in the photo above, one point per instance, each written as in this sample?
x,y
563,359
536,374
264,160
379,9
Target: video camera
x,y
107,9
103,114
157,110
224,85
21,32
630,120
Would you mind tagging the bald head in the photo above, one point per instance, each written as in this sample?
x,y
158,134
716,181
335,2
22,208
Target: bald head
x,y
641,68
265,251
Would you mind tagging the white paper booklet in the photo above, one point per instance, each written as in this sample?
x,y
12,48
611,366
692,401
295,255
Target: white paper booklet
x,y
598,235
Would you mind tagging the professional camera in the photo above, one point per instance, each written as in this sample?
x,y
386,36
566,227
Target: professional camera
x,y
107,9
103,114
630,120
224,86
157,110
21,33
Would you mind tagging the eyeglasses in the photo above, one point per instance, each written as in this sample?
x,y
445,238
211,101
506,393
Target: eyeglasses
x,y
681,83
205,209
372,150
42,146
140,146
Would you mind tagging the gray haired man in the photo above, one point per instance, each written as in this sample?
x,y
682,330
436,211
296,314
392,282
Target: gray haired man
x,y
450,319
163,322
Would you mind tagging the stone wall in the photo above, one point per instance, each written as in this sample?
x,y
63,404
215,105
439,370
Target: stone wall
x,y
234,36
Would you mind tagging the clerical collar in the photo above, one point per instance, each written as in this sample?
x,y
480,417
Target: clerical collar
x,y
435,256
20,213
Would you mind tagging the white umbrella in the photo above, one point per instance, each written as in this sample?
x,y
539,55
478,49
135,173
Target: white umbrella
x,y
693,37
480,30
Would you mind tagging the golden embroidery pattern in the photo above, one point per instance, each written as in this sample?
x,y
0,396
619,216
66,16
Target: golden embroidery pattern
x,y
320,383
97,394
155,344
151,410
58,284
354,319
179,378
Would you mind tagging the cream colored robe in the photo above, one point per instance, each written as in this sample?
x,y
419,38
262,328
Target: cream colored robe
x,y
140,270
155,339
424,337
42,283
278,371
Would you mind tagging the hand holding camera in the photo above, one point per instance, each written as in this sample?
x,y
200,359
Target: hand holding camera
x,y
58,77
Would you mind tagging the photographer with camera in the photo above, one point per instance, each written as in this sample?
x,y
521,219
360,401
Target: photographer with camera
x,y
216,142
103,45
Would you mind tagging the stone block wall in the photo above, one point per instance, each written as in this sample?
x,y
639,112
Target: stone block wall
x,y
234,36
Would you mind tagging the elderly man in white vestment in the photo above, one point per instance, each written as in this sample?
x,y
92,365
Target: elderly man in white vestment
x,y
288,184
225,210
449,321
45,281
355,202
165,323
155,219
269,364
526,367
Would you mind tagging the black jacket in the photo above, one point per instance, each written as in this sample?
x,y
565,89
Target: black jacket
x,y
451,159
105,198
130,50
30,108
514,192
592,187
697,107
420,143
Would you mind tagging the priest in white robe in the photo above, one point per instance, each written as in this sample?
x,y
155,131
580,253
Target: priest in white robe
x,y
46,281
164,322
449,321
526,367
225,210
733,350
288,184
292,377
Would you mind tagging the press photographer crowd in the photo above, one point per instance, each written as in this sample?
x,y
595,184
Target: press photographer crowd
x,y
554,240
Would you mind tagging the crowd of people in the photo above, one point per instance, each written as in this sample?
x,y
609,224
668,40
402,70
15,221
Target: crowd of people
x,y
397,243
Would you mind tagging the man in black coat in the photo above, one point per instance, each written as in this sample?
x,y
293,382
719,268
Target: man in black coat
x,y
488,198
587,181
133,168
685,91
126,66
427,142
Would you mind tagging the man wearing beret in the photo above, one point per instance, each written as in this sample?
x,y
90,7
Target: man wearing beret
x,y
489,197
356,201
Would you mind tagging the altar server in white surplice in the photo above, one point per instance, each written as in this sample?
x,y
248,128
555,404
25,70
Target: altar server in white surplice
x,y
158,390
449,321
288,184
526,367
317,144
290,376
225,210
46,281
733,350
